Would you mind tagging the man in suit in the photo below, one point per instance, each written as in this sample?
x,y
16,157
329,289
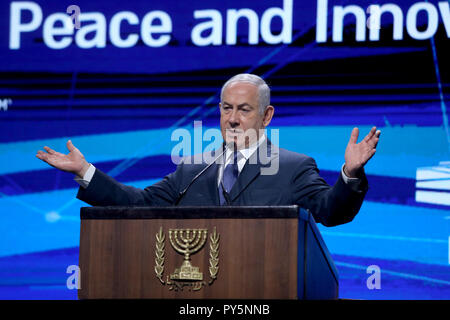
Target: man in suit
x,y
239,177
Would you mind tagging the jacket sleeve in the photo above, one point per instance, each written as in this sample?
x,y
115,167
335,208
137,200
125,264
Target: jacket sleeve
x,y
330,206
104,190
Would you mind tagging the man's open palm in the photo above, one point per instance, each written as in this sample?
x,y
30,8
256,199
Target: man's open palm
x,y
357,154
73,162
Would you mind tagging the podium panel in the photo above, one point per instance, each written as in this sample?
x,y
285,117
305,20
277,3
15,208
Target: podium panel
x,y
203,253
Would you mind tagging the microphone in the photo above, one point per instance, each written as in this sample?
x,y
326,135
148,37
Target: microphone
x,y
182,193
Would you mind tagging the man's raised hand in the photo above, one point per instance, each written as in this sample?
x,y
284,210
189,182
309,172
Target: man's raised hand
x,y
357,154
73,162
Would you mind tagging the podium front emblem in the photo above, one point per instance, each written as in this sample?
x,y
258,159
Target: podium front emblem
x,y
187,242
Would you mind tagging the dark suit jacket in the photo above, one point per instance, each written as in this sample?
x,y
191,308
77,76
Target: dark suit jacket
x,y
296,182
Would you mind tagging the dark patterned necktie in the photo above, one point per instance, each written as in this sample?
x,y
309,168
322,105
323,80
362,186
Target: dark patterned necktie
x,y
229,177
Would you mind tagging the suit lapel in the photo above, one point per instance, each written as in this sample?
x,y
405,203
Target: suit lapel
x,y
211,176
262,157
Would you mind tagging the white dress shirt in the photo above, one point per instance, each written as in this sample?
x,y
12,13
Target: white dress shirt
x,y
84,182
242,157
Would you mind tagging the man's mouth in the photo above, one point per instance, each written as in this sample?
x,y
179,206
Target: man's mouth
x,y
234,131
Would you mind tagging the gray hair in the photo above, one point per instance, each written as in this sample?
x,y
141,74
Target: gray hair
x,y
263,88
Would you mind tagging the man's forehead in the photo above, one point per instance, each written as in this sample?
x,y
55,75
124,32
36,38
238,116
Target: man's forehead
x,y
241,87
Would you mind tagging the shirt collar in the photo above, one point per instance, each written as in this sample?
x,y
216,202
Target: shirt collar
x,y
247,153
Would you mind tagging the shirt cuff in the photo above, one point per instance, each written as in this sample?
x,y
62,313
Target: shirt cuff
x,y
87,177
347,179
353,183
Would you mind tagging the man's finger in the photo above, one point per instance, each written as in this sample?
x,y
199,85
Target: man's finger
x,y
49,150
41,155
354,135
368,155
70,146
375,138
370,134
375,142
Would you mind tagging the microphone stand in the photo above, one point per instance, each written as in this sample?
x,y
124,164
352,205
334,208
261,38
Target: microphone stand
x,y
182,193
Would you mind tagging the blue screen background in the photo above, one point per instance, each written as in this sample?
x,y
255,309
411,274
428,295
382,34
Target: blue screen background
x,y
120,106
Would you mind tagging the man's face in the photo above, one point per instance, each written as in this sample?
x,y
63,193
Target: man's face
x,y
240,120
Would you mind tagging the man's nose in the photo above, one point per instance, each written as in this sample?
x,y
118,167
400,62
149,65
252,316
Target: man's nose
x,y
233,119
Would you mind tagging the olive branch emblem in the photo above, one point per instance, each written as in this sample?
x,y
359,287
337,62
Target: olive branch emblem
x,y
213,255
159,252
177,283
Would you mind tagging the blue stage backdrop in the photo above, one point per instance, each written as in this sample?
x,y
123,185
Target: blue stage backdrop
x,y
119,83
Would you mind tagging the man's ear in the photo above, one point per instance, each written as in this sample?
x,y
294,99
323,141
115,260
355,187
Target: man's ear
x,y
268,114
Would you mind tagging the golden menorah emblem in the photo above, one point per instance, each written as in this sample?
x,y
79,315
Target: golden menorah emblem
x,y
187,242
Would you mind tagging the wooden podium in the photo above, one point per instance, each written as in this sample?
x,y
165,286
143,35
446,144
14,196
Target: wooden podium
x,y
203,253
